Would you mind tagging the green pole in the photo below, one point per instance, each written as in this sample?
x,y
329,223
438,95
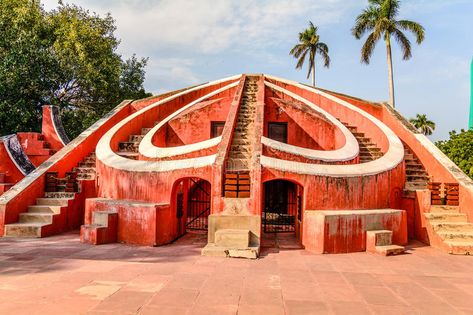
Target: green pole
x,y
470,125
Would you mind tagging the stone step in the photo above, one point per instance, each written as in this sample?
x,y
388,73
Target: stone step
x,y
460,247
135,138
390,250
444,208
239,141
413,177
86,177
456,235
44,209
379,238
359,134
61,202
237,164
24,229
420,173
213,250
36,217
233,238
61,195
241,148
452,226
84,170
446,216
128,146
87,164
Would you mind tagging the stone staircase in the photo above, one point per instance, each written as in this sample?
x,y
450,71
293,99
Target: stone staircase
x,y
47,217
239,157
4,184
35,147
55,213
452,228
380,242
368,150
86,169
237,175
416,175
129,149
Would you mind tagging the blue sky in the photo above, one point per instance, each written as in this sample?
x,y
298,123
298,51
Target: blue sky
x,y
190,42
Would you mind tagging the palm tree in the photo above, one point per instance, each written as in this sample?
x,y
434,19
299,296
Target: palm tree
x,y
380,20
310,44
423,124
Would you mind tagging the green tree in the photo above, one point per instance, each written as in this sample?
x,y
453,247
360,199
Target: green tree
x,y
26,65
459,148
67,57
310,44
423,124
379,19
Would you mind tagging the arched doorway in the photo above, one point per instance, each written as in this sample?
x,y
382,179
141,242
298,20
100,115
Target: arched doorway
x,y
282,209
192,202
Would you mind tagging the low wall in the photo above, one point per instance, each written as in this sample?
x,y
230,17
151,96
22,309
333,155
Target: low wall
x,y
139,223
345,231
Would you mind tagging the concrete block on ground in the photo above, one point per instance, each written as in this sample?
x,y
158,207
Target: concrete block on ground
x,y
234,238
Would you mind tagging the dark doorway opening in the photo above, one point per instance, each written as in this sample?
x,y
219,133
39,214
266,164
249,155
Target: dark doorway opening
x,y
282,200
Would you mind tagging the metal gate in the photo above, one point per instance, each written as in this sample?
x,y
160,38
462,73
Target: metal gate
x,y
280,207
198,205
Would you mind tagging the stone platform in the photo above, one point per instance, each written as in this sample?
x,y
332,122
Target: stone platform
x,y
60,275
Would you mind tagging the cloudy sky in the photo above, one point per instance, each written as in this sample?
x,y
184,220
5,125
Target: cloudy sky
x,y
190,42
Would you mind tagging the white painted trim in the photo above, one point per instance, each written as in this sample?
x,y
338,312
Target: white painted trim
x,y
148,149
391,159
108,157
348,152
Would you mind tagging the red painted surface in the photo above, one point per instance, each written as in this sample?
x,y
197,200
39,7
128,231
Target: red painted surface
x,y
140,224
48,131
75,152
347,233
7,167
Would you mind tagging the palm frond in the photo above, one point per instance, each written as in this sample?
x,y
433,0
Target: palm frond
x,y
368,47
405,44
365,22
311,62
301,60
323,50
414,27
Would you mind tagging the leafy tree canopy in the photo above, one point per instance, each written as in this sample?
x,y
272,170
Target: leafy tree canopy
x,y
67,57
459,148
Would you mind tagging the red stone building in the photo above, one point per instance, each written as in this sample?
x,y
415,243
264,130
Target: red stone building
x,y
244,158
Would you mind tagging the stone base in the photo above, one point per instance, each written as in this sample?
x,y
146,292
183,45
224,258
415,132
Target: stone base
x,y
213,250
390,250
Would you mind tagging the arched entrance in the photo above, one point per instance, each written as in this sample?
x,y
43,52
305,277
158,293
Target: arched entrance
x,y
192,200
282,209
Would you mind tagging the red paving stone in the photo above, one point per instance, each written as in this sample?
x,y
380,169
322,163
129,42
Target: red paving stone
x,y
59,275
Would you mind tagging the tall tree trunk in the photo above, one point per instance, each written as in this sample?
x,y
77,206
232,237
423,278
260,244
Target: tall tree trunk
x,y
313,74
390,71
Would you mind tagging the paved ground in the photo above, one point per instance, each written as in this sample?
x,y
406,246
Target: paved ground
x,y
60,275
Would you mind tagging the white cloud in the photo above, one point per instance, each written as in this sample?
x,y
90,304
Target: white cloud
x,y
212,26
